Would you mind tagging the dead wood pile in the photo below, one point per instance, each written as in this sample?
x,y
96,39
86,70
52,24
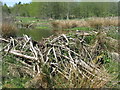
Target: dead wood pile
x,y
63,55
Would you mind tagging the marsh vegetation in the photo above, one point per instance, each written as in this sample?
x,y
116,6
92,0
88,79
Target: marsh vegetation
x,y
70,46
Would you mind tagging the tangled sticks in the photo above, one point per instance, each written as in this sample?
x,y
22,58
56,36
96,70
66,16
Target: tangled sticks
x,y
65,55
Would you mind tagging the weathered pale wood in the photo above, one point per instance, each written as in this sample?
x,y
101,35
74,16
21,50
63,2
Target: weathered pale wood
x,y
21,55
2,39
58,53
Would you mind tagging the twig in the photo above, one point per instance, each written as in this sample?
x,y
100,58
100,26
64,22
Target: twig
x,y
21,55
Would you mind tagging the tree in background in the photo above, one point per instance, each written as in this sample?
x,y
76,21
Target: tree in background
x,y
63,10
5,10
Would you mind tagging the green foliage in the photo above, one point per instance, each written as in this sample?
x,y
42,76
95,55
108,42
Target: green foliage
x,y
106,58
63,10
20,9
90,39
6,10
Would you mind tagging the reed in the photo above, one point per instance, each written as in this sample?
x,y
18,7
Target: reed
x,y
94,22
102,22
8,30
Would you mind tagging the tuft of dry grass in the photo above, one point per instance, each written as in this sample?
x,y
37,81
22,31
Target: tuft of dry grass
x,y
66,24
95,22
8,30
102,22
40,80
78,78
84,80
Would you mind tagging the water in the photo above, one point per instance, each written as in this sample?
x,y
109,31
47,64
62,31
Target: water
x,y
36,34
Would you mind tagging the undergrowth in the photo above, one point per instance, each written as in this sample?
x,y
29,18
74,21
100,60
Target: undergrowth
x,y
11,77
113,69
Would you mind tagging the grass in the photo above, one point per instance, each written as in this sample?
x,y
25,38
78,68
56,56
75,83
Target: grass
x,y
114,33
80,29
67,24
36,23
113,70
8,30
39,27
94,22
89,39
71,25
16,82
9,79
26,19
102,22
31,19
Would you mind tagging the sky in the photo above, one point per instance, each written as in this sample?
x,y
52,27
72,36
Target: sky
x,y
12,2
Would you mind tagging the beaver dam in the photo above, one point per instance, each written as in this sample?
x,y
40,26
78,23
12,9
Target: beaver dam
x,y
73,60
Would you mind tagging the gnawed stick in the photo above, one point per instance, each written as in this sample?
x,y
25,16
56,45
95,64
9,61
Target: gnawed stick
x,y
4,40
57,56
14,52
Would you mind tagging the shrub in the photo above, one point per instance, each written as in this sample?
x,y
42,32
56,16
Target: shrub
x,y
55,24
8,30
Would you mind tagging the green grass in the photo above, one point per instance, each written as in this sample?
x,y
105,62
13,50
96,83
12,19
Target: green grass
x,y
41,24
113,69
26,19
39,27
90,39
10,81
30,19
80,29
114,33
16,82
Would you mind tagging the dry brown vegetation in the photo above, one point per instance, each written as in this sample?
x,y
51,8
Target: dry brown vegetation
x,y
65,24
101,22
8,30
94,22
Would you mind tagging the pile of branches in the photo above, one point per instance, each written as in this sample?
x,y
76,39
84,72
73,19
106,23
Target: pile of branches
x,y
67,56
